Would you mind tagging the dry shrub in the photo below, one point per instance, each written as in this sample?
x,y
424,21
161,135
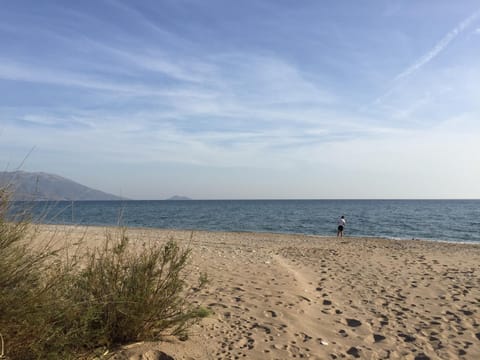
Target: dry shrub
x,y
57,308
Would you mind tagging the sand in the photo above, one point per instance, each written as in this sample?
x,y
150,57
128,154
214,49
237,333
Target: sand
x,y
292,296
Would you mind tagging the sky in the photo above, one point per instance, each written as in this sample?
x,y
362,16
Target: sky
x,y
251,99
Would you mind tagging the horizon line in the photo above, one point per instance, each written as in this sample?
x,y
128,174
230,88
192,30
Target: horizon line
x,y
281,199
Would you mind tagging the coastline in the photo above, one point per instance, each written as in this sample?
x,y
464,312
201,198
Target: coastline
x,y
279,296
240,232
444,220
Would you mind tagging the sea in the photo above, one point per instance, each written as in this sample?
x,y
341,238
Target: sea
x,y
440,220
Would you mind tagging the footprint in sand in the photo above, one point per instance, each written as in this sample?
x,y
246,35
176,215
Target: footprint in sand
x,y
217,304
353,351
304,337
353,322
270,313
422,356
263,327
407,338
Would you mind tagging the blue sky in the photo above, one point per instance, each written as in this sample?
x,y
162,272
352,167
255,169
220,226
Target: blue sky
x,y
245,99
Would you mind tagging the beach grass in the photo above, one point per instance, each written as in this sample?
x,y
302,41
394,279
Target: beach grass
x,y
58,302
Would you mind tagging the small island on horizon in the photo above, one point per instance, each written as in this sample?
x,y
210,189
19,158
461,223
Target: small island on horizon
x,y
178,197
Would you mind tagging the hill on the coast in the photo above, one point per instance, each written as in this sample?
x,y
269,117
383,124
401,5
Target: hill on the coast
x,y
43,186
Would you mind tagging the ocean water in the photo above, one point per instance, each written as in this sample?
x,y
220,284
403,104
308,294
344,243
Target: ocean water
x,y
444,220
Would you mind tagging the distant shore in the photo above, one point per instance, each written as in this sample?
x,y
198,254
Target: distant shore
x,y
280,296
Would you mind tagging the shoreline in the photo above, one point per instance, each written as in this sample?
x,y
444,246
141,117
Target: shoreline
x,y
280,296
473,242
389,219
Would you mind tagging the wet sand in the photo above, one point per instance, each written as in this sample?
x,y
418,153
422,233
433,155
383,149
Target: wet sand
x,y
292,296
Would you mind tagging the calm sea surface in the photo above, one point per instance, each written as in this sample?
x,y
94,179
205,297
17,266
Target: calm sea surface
x,y
449,220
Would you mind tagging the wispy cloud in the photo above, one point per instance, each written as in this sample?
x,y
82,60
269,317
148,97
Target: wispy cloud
x,y
10,70
439,47
242,86
153,87
156,81
140,18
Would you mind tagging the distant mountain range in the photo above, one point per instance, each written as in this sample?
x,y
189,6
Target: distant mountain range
x,y
42,186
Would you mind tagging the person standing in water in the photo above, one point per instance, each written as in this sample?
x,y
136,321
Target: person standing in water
x,y
341,225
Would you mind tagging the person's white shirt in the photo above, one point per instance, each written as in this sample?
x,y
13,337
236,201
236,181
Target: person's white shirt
x,y
341,222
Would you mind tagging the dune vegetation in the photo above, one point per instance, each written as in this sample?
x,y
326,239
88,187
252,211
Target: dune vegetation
x,y
62,302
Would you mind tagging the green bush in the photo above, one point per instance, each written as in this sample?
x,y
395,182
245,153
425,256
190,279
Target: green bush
x,y
23,289
54,308
126,294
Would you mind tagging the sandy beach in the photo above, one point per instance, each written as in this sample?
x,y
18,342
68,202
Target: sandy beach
x,y
291,296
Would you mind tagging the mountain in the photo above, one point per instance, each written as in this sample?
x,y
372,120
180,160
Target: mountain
x,y
43,186
177,197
